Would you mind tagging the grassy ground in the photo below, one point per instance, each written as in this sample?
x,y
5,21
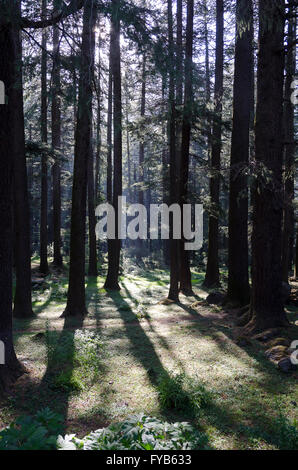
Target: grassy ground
x,y
133,354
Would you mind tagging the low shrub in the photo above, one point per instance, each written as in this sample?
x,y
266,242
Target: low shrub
x,y
138,433
28,433
181,393
43,432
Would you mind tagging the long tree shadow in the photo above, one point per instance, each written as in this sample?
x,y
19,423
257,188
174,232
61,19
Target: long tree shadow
x,y
161,339
218,332
60,352
141,346
60,363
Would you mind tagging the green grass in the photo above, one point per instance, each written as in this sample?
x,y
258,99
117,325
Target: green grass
x,y
133,355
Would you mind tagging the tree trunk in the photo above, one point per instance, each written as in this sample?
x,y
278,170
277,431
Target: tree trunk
x,y
128,141
165,170
8,58
92,270
44,267
140,243
267,303
174,194
179,80
76,305
98,136
22,299
109,131
212,272
296,256
238,282
289,137
208,81
114,246
56,144
142,145
185,274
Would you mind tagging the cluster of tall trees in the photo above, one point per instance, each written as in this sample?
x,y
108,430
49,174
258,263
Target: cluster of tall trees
x,y
125,107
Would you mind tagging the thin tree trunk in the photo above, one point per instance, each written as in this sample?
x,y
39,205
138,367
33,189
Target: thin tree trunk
x,y
208,81
128,144
174,194
267,303
296,256
109,131
142,145
185,274
76,305
114,246
212,272
98,137
8,58
179,80
165,171
44,267
22,299
142,151
56,144
238,282
289,137
92,270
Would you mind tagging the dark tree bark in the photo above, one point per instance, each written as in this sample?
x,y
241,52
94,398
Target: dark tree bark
x,y
98,136
114,246
165,170
76,305
94,185
92,270
267,303
22,299
44,267
208,81
212,272
8,58
179,87
179,79
109,131
56,144
128,141
174,194
296,256
238,282
185,274
289,155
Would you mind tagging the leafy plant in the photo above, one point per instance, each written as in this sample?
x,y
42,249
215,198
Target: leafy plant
x,y
28,433
181,393
172,394
138,433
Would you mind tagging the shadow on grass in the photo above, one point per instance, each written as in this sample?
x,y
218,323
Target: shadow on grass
x,y
144,352
58,383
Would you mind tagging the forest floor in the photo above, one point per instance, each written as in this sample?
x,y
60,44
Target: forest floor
x,y
132,354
